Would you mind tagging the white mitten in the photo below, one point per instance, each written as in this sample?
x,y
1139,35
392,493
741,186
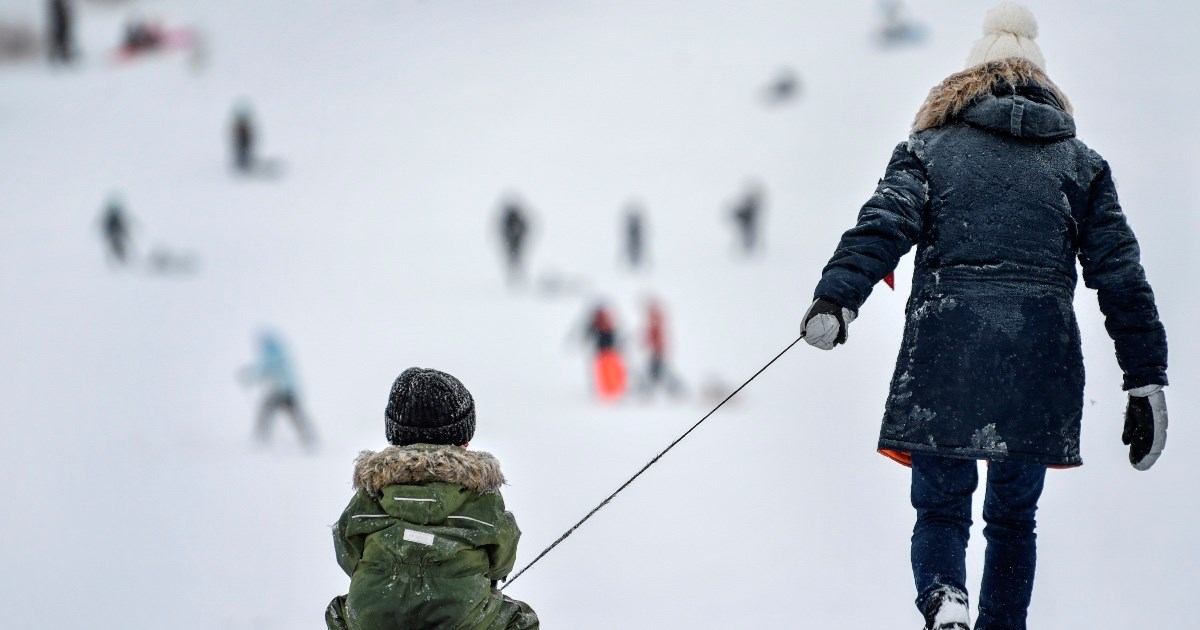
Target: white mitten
x,y
825,324
1145,425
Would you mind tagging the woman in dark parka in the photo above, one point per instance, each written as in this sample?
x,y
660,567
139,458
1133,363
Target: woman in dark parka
x,y
1000,199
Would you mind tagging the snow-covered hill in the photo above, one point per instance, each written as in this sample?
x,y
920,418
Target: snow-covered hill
x,y
134,498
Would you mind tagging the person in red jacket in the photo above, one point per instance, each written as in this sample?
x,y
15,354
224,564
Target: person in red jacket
x,y
657,372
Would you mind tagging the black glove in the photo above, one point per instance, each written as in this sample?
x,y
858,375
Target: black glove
x,y
1145,425
825,323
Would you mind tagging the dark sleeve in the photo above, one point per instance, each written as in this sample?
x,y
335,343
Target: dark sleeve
x,y
1109,255
888,225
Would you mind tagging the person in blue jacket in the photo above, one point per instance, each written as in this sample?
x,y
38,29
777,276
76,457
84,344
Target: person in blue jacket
x,y
274,371
1000,199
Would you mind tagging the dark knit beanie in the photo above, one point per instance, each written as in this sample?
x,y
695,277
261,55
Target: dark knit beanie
x,y
429,407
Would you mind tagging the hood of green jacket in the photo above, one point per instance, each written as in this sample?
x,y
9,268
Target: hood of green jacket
x,y
424,538
426,473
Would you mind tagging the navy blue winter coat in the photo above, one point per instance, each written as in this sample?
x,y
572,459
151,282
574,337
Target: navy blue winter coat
x,y
1000,199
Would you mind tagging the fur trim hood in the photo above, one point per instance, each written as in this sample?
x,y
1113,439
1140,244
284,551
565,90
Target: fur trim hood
x,y
947,99
476,471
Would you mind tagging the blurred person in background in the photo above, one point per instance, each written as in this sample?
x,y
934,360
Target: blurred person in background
x,y
1002,202
142,35
783,88
115,229
274,371
634,231
62,38
747,217
606,366
514,233
242,137
658,373
897,29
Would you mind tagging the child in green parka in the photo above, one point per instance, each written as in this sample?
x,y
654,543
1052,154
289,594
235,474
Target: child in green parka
x,y
426,538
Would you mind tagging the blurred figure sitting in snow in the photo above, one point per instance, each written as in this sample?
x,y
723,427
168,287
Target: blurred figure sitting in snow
x,y
897,28
784,88
274,371
18,41
142,35
168,262
426,537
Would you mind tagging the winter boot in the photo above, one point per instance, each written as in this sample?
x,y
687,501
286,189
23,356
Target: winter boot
x,y
947,610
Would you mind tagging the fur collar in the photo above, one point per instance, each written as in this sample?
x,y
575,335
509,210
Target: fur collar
x,y
476,471
948,98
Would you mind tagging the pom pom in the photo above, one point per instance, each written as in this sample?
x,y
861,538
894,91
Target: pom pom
x,y
1010,17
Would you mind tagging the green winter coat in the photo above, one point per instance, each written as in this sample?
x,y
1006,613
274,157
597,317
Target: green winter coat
x,y
424,540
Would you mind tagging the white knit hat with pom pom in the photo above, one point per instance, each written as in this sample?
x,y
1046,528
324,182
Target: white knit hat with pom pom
x,y
1008,31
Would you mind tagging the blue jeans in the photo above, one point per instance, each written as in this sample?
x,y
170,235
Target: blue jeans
x,y
941,493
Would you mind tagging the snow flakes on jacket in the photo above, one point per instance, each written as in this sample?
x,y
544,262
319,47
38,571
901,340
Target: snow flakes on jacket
x,y
423,540
1000,199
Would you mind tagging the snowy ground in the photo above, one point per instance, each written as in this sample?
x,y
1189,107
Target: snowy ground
x,y
133,495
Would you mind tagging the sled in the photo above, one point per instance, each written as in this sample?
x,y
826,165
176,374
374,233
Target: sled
x,y
610,375
164,262
263,169
166,40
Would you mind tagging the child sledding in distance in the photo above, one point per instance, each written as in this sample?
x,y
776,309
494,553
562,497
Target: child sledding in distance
x,y
426,538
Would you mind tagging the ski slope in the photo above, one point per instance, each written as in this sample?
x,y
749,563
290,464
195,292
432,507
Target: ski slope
x,y
134,498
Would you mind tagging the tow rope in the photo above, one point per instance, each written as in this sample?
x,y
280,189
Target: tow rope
x,y
648,465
